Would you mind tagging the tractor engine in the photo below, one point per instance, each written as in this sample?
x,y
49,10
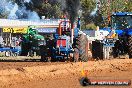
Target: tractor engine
x,y
62,42
62,48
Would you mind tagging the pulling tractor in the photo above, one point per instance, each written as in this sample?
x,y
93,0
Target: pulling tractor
x,y
31,42
121,44
122,23
65,44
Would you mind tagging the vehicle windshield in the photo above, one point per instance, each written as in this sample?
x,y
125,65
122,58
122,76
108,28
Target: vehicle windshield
x,y
122,22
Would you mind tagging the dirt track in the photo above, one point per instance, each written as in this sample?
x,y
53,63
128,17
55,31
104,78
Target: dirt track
x,y
62,75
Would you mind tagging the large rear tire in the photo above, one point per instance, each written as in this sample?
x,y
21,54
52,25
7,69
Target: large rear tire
x,y
97,50
130,46
81,45
43,53
116,49
25,49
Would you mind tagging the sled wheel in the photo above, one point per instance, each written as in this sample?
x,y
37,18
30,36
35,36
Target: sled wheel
x,y
84,81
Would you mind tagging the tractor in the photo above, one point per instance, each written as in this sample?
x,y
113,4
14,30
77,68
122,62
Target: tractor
x,y
65,44
121,22
31,42
120,45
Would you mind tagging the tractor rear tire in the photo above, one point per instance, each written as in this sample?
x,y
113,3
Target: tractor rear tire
x,y
97,50
81,45
130,46
43,54
25,49
116,49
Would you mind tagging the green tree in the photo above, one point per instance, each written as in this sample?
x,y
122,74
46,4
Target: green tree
x,y
88,6
50,11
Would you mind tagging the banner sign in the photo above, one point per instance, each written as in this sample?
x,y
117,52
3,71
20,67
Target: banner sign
x,y
19,30
15,30
46,30
7,29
